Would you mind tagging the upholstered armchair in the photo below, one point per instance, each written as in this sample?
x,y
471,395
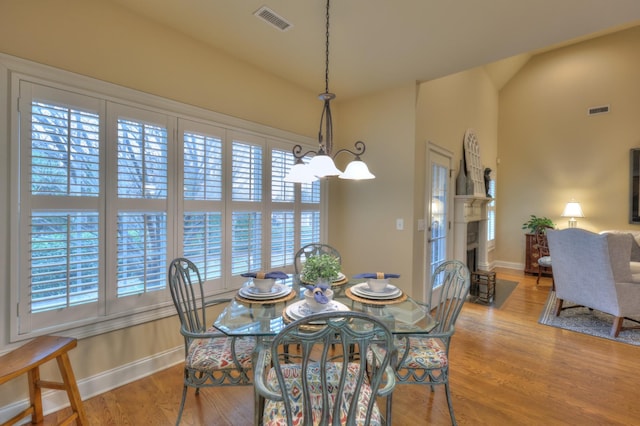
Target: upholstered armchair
x,y
593,270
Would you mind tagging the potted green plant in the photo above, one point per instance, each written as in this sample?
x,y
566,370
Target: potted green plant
x,y
323,267
536,222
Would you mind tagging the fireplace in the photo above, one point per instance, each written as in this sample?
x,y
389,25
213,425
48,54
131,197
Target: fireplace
x,y
472,263
470,231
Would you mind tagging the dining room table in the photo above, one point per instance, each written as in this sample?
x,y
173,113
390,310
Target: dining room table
x,y
264,314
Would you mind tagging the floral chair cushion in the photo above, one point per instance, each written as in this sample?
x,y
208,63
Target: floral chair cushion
x,y
423,353
274,411
215,353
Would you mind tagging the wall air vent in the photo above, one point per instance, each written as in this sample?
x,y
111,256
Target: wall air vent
x,y
272,18
598,110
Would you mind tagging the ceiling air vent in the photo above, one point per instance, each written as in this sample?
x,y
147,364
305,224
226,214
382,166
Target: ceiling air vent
x,y
598,110
272,18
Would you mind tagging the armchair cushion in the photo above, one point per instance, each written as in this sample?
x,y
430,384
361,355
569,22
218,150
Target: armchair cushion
x,y
635,246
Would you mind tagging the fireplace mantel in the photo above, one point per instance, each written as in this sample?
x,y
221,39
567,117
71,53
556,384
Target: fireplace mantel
x,y
469,209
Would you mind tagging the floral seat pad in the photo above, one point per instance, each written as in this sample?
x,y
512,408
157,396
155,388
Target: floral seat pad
x,y
216,353
274,411
423,353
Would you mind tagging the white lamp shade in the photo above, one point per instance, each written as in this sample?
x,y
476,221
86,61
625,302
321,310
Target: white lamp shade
x,y
300,173
357,170
572,209
322,165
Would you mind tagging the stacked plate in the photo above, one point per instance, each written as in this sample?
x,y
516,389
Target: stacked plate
x,y
299,310
252,292
341,277
363,290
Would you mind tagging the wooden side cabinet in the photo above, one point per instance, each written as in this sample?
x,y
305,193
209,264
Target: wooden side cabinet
x,y
531,257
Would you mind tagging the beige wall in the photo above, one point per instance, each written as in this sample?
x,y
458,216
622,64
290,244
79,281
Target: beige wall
x,y
103,41
364,222
550,150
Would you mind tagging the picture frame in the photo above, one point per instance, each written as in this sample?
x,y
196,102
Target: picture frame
x,y
634,186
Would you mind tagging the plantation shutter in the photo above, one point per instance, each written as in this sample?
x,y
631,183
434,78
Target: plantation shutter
x,y
60,198
202,184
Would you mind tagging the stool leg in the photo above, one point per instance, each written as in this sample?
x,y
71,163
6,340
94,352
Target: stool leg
x,y
72,388
35,395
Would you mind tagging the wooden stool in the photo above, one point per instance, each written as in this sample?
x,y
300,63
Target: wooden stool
x,y
27,359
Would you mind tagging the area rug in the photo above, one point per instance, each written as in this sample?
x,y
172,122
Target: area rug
x,y
583,320
503,291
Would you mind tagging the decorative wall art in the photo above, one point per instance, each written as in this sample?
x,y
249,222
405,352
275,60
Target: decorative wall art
x,y
474,170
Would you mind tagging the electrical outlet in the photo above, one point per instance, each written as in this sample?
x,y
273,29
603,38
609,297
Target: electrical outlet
x,y
399,224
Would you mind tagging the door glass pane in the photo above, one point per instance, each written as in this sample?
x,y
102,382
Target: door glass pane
x,y
438,219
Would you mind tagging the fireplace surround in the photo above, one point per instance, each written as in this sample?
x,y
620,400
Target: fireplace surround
x,y
470,231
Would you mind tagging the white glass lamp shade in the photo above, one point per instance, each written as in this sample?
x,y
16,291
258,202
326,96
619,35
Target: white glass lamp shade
x,y
572,210
322,165
300,173
357,170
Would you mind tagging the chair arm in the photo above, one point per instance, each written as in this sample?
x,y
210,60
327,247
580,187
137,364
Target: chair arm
x,y
391,381
263,365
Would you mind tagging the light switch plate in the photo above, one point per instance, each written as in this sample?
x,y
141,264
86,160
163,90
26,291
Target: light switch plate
x,y
399,224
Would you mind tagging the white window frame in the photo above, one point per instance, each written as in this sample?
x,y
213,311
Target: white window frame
x,y
111,314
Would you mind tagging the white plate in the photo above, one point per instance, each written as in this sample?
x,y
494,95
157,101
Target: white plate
x,y
277,291
300,309
389,292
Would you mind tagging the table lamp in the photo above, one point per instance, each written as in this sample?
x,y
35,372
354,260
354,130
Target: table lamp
x,y
572,210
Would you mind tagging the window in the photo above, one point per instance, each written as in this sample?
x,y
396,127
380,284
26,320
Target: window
x,y
110,191
491,216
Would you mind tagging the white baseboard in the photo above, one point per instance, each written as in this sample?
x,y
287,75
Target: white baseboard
x,y
509,265
53,401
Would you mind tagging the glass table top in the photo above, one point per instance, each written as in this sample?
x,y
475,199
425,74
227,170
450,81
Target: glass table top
x,y
262,318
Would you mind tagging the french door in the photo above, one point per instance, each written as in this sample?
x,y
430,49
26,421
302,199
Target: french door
x,y
437,215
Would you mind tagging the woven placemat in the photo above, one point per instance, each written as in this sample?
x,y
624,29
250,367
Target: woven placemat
x,y
398,299
266,301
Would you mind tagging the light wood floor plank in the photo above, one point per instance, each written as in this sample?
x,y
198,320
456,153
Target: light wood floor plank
x,y
506,369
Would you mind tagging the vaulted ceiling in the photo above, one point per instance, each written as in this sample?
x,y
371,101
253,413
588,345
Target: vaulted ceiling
x,y
377,44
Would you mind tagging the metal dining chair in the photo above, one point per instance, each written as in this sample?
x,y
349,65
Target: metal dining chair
x,y
211,357
313,249
318,385
424,359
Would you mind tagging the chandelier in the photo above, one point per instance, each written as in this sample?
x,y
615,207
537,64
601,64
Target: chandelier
x,y
321,163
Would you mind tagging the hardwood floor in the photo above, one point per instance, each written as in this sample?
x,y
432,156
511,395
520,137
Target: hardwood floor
x,y
506,369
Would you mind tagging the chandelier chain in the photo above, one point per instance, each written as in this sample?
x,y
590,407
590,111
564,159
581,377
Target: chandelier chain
x,y
326,68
